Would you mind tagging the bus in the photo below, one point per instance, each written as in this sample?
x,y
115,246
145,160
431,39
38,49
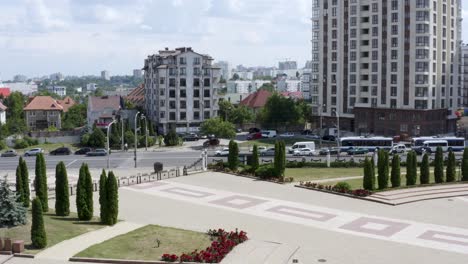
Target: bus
x,y
370,143
432,145
454,143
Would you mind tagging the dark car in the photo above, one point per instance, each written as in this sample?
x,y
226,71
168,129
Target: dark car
x,y
257,135
211,142
97,152
191,137
329,138
61,151
254,130
325,151
358,151
306,132
268,152
82,151
10,153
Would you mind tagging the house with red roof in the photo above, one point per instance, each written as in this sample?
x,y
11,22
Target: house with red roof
x,y
5,92
66,103
257,100
137,96
102,110
43,112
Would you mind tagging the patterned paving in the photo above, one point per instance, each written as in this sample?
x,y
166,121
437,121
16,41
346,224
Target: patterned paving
x,y
395,230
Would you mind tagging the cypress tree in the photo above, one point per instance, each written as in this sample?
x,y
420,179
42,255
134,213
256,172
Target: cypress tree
x,y
395,175
414,165
38,234
233,158
451,167
112,199
19,183
103,196
368,180
255,161
424,178
464,166
62,199
410,169
40,182
84,194
439,166
382,169
25,182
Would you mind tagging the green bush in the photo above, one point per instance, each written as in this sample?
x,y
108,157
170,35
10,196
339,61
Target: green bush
x,y
84,194
451,167
424,169
31,141
233,158
62,199
382,168
97,139
369,176
265,171
112,211
411,168
396,175
85,140
38,234
40,182
255,160
344,186
464,166
103,195
171,139
280,159
20,144
12,211
439,166
3,145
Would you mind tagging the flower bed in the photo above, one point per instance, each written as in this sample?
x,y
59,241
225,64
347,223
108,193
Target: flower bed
x,y
223,243
338,188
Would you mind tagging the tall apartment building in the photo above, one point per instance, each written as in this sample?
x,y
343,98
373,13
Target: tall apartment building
x,y
387,67
287,65
465,74
225,69
105,75
180,89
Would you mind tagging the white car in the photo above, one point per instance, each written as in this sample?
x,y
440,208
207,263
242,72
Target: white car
x,y
287,134
222,152
304,152
33,152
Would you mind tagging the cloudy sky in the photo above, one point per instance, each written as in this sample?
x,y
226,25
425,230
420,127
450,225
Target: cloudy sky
x,y
76,37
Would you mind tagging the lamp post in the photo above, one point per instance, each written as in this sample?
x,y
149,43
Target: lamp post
x,y
338,126
136,135
123,138
320,131
108,144
146,131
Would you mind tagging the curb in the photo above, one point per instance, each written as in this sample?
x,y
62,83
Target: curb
x,y
22,255
119,261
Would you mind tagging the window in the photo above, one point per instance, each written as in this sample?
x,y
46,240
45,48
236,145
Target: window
x,y
182,60
172,105
172,93
196,61
183,71
196,115
196,93
183,104
162,92
207,115
172,82
171,116
206,82
183,115
206,104
183,93
161,80
162,103
206,93
162,114
196,82
196,104
183,82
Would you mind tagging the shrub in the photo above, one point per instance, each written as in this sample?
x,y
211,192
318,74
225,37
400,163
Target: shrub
x,y
280,159
233,158
265,171
38,234
103,196
20,144
342,187
464,166
84,194
40,182
424,169
25,181
255,160
369,176
112,202
97,139
411,171
396,175
12,211
439,166
451,167
3,145
382,169
31,141
171,139
62,200
85,140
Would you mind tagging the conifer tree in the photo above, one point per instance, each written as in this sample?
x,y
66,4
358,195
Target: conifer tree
x,y
25,182
424,177
465,165
451,167
62,199
103,196
439,166
112,199
38,234
396,175
40,182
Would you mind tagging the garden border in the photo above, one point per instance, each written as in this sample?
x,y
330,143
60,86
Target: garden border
x,y
121,261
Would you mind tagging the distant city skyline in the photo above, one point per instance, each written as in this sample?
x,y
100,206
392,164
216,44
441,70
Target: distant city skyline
x,y
85,37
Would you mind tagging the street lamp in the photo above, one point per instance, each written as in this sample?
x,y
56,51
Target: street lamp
x,y
146,131
338,125
136,135
108,144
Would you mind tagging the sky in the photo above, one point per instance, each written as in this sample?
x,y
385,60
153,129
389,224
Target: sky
x,y
83,37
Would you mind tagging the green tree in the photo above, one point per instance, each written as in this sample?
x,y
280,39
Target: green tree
x,y
218,127
25,181
267,87
424,177
12,212
103,196
382,165
129,137
451,167
439,166
410,169
396,175
97,138
171,139
465,165
369,178
225,109
74,117
280,111
255,160
241,115
112,199
19,183
15,103
280,159
38,233
84,194
233,158
62,195
40,182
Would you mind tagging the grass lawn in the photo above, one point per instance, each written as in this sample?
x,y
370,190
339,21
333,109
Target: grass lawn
x,y
310,174
58,229
141,244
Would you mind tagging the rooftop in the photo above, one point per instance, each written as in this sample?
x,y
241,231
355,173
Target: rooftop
x,y
43,103
257,99
104,102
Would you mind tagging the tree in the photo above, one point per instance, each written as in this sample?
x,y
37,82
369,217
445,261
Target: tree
x,y
171,139
129,137
225,109
411,168
25,182
280,158
40,182
84,194
396,175
424,177
12,211
218,127
74,117
439,166
62,199
38,234
235,77
280,111
267,87
233,158
14,114
451,167
255,161
97,138
103,196
369,178
112,199
241,115
382,169
19,182
465,165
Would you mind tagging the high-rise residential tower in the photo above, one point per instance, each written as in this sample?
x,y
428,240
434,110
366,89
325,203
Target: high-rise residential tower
x,y
387,67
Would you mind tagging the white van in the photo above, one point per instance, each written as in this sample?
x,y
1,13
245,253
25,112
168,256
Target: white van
x,y
302,145
431,145
268,133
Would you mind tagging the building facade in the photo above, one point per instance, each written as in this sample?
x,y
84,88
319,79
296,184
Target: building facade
x,y
43,112
137,73
465,75
58,90
245,86
181,89
225,70
102,110
105,75
372,57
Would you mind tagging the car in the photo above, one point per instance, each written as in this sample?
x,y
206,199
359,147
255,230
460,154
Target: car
x,y
33,152
331,151
306,132
313,136
287,134
358,151
329,138
10,153
254,130
304,152
211,142
400,148
97,152
222,152
82,151
268,133
191,137
268,152
61,151
254,136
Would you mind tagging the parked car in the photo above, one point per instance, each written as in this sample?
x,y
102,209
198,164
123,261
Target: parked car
x,y
306,132
301,145
332,151
10,153
329,138
61,151
254,136
268,152
304,152
191,137
222,152
33,152
313,136
211,142
358,151
400,148
268,133
287,134
82,151
97,152
254,130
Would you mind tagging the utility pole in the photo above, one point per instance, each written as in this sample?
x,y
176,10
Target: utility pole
x,y
122,124
136,136
108,144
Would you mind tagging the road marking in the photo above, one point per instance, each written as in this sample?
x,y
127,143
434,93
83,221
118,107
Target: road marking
x,y
71,163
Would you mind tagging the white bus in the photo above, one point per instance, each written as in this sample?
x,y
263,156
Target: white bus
x,y
454,143
370,143
432,145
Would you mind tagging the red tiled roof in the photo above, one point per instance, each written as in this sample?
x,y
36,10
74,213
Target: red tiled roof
x,y
43,103
257,99
137,96
66,103
103,102
3,107
5,91
293,95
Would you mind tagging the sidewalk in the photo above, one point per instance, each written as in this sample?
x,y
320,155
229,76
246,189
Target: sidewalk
x,y
256,251
68,248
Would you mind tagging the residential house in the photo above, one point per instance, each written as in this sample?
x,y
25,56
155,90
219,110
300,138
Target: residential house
x,y
256,101
4,92
137,96
66,103
43,112
103,110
